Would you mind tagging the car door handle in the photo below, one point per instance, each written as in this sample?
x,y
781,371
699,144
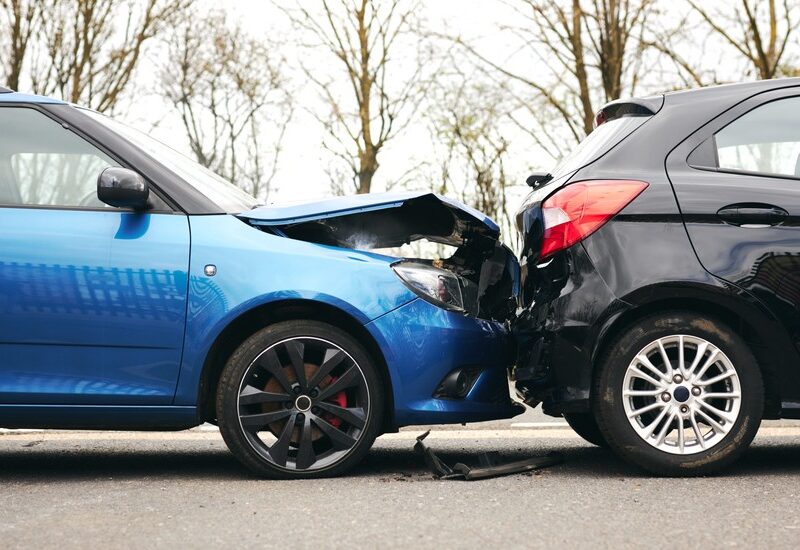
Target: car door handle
x,y
752,215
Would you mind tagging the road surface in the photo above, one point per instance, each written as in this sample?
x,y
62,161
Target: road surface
x,y
169,490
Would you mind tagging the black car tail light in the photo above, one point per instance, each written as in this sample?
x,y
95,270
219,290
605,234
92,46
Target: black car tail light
x,y
579,209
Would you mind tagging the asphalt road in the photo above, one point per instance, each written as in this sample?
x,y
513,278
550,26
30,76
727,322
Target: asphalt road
x,y
154,490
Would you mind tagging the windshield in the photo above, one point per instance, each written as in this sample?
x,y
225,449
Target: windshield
x,y
219,190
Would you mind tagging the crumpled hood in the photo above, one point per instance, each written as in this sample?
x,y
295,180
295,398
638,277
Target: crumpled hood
x,y
377,220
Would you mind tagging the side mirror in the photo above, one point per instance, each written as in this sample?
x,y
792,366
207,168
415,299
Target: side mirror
x,y
122,188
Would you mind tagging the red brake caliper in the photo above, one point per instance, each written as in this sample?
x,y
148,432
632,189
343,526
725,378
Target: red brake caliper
x,y
340,400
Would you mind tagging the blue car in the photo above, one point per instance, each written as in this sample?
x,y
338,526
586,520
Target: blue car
x,y
139,291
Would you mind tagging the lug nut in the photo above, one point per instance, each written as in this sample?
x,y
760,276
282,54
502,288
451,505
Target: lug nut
x,y
677,378
696,391
314,393
296,388
665,397
300,418
684,409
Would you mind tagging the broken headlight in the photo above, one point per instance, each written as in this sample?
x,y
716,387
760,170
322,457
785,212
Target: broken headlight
x,y
441,287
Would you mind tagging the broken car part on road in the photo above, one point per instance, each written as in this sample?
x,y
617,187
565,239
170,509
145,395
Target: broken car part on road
x,y
489,465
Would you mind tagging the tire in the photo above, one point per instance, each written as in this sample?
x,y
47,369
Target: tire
x,y
585,426
300,399
710,440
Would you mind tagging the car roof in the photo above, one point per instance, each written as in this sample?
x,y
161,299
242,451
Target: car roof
x,y
10,96
752,87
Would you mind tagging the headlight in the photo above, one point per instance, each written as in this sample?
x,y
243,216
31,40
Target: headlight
x,y
438,286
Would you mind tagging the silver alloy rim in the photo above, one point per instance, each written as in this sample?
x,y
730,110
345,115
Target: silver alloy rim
x,y
681,394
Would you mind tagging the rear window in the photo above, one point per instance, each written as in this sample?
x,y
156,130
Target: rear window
x,y
599,142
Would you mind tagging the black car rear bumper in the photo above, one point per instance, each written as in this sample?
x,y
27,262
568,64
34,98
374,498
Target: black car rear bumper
x,y
557,333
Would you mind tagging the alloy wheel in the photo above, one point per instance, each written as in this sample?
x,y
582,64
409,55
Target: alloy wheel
x,y
681,394
303,404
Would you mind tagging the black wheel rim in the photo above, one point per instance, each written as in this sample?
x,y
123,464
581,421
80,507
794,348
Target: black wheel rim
x,y
303,404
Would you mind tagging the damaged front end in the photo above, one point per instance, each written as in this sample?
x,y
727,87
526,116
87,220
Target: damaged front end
x,y
474,273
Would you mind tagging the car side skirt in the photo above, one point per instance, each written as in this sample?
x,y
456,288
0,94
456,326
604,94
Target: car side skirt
x,y
98,417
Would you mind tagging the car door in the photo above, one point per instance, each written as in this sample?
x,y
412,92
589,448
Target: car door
x,y
737,181
92,298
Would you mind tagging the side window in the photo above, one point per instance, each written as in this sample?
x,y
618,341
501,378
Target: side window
x,y
765,140
44,164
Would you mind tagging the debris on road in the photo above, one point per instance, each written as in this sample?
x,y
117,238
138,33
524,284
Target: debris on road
x,y
489,464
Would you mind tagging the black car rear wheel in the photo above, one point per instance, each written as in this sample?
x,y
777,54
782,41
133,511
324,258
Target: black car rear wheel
x,y
585,426
299,399
679,394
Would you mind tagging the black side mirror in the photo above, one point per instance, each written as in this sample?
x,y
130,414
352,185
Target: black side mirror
x,y
122,188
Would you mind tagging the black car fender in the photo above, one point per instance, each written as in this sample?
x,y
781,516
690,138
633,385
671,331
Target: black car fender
x,y
718,299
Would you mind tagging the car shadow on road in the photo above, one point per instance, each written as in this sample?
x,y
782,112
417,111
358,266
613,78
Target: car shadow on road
x,y
81,464
171,460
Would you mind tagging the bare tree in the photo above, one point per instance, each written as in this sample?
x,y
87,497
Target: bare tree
x,y
370,97
22,19
232,98
91,48
467,116
759,31
570,45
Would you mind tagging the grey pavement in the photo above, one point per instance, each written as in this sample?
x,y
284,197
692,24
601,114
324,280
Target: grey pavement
x,y
158,490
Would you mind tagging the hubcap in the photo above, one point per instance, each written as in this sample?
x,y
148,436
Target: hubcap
x,y
303,404
681,394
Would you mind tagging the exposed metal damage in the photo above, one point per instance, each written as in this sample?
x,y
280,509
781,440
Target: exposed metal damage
x,y
485,273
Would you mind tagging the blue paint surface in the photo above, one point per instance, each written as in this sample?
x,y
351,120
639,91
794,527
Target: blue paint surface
x,y
107,318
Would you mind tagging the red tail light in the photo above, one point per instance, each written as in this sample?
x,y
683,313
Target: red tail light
x,y
578,210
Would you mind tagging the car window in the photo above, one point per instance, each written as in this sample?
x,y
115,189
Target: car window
x,y
765,140
42,163
226,195
596,144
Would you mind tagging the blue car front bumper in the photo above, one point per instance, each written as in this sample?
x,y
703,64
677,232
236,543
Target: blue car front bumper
x,y
422,344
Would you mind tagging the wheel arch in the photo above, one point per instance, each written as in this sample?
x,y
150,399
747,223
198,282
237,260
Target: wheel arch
x,y
749,322
258,317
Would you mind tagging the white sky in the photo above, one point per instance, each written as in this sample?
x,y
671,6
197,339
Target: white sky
x,y
302,172
302,168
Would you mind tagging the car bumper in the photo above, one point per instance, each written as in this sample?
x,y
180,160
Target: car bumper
x,y
556,335
422,344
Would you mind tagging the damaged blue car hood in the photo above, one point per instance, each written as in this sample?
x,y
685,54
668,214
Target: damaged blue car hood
x,y
377,220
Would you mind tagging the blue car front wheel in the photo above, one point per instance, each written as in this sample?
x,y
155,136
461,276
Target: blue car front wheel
x,y
299,399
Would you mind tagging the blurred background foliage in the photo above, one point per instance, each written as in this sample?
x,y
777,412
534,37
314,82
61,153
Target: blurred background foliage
x,y
293,99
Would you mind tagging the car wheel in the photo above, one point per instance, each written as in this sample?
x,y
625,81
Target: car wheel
x,y
585,426
679,395
299,399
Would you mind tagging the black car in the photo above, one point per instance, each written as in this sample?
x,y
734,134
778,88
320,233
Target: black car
x,y
660,308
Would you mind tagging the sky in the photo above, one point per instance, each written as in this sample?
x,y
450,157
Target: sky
x,y
302,167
